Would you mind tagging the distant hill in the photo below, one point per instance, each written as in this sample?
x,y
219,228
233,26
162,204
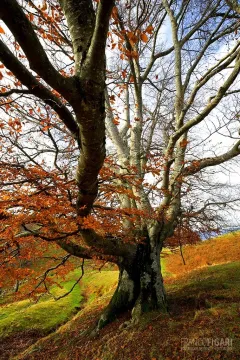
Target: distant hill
x,y
230,229
210,234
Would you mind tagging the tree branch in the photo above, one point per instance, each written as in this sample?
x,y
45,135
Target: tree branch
x,y
98,42
217,160
212,105
90,113
17,22
104,248
37,89
14,91
113,130
233,4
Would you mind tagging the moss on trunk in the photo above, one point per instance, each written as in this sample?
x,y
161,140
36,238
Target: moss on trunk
x,y
140,287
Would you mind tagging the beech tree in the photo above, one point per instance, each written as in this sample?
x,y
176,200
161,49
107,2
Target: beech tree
x,y
152,82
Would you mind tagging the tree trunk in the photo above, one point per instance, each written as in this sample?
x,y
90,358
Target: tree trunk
x,y
140,286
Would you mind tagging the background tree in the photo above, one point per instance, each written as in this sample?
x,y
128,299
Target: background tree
x,y
164,103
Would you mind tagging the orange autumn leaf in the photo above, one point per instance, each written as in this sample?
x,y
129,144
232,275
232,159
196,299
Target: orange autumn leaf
x,y
131,78
114,12
112,98
132,37
116,121
134,54
124,74
31,17
1,30
44,7
149,29
144,37
183,143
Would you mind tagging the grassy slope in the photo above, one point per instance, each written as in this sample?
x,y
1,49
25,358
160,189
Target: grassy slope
x,y
24,314
203,303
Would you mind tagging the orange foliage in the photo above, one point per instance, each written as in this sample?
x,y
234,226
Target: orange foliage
x,y
36,206
182,236
205,254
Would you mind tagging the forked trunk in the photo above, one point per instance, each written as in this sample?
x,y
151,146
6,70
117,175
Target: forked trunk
x,y
140,286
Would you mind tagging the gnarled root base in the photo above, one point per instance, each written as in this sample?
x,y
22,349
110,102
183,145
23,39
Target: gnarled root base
x,y
140,288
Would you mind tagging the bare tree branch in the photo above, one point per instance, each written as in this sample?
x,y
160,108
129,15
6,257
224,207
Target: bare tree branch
x,y
37,89
213,161
15,19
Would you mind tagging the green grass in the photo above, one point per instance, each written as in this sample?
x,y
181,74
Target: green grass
x,y
217,285
164,260
213,276
47,314
43,316
99,284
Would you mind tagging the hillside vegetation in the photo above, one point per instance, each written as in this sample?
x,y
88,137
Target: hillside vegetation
x,y
219,250
204,298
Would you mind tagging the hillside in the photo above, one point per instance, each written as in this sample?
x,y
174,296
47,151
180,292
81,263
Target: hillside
x,y
219,250
203,296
